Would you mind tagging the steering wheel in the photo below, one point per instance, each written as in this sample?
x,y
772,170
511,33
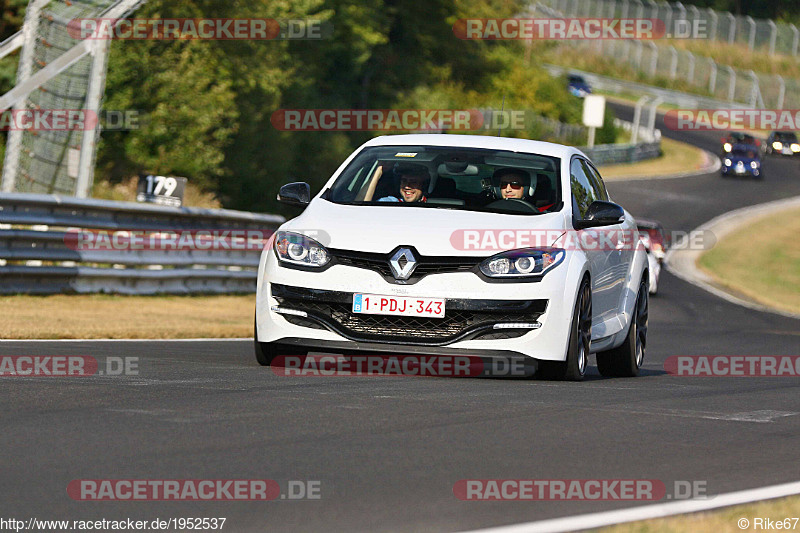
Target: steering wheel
x,y
514,205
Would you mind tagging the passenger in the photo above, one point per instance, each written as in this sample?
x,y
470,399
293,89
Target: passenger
x,y
413,181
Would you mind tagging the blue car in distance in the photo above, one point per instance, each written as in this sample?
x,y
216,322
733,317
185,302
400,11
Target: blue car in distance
x,y
742,160
577,86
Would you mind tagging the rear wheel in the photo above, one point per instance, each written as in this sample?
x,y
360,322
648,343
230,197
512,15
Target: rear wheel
x,y
626,359
580,336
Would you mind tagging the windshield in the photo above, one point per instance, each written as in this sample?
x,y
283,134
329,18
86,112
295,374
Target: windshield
x,y
450,178
786,137
744,152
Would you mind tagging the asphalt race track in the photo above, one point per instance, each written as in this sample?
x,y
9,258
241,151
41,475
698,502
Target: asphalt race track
x,y
387,451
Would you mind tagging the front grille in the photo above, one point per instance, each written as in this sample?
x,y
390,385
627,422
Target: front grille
x,y
425,265
459,322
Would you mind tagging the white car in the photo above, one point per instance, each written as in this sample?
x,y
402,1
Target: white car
x,y
550,277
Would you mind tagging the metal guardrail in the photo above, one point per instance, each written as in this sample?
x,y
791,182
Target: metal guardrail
x,y
607,154
39,251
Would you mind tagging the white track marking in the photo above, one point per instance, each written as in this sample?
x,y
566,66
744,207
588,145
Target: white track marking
x,y
647,512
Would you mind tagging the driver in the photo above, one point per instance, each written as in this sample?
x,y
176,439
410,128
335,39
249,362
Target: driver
x,y
513,182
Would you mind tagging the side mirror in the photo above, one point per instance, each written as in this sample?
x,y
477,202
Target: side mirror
x,y
297,194
601,213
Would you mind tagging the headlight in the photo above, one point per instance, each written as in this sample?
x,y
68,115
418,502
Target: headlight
x,y
526,262
753,164
727,162
795,147
297,249
727,147
777,145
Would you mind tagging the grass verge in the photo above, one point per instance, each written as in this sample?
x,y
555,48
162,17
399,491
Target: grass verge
x,y
676,157
770,274
102,316
722,521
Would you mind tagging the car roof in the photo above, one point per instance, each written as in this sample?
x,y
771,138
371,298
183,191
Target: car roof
x,y
477,141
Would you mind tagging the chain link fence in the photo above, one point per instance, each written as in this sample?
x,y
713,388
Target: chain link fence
x,y
58,160
756,34
701,74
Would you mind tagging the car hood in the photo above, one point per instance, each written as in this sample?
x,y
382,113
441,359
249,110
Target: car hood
x,y
432,231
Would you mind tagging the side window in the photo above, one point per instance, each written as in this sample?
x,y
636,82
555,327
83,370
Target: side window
x,y
600,188
583,193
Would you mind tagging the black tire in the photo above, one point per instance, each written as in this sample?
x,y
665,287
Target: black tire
x,y
266,352
580,336
626,359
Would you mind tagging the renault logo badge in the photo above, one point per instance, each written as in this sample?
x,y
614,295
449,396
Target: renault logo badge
x,y
403,263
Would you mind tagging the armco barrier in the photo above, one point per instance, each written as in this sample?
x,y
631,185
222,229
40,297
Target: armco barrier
x,y
38,253
608,154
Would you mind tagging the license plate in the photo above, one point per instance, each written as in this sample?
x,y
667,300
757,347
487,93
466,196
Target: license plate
x,y
740,170
377,304
787,151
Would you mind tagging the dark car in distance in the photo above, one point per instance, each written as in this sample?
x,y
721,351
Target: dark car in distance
x,y
742,160
782,142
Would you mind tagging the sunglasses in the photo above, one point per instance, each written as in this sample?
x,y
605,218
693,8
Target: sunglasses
x,y
514,184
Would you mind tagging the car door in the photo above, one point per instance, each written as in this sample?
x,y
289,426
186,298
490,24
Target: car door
x,y
583,194
623,237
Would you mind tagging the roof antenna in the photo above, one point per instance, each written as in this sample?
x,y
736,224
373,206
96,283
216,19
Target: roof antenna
x,y
502,107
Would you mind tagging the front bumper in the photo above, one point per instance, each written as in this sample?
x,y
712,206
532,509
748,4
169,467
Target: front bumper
x,y
474,308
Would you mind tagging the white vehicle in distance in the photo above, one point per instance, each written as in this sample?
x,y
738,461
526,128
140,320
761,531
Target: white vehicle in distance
x,y
540,268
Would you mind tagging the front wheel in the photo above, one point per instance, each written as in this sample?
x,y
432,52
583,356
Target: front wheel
x,y
266,352
626,359
580,336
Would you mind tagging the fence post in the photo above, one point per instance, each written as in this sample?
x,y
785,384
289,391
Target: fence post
x,y
668,18
755,92
651,125
673,63
795,39
712,33
690,73
94,94
773,35
637,57
681,11
781,91
731,83
751,40
637,116
731,28
712,78
653,58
